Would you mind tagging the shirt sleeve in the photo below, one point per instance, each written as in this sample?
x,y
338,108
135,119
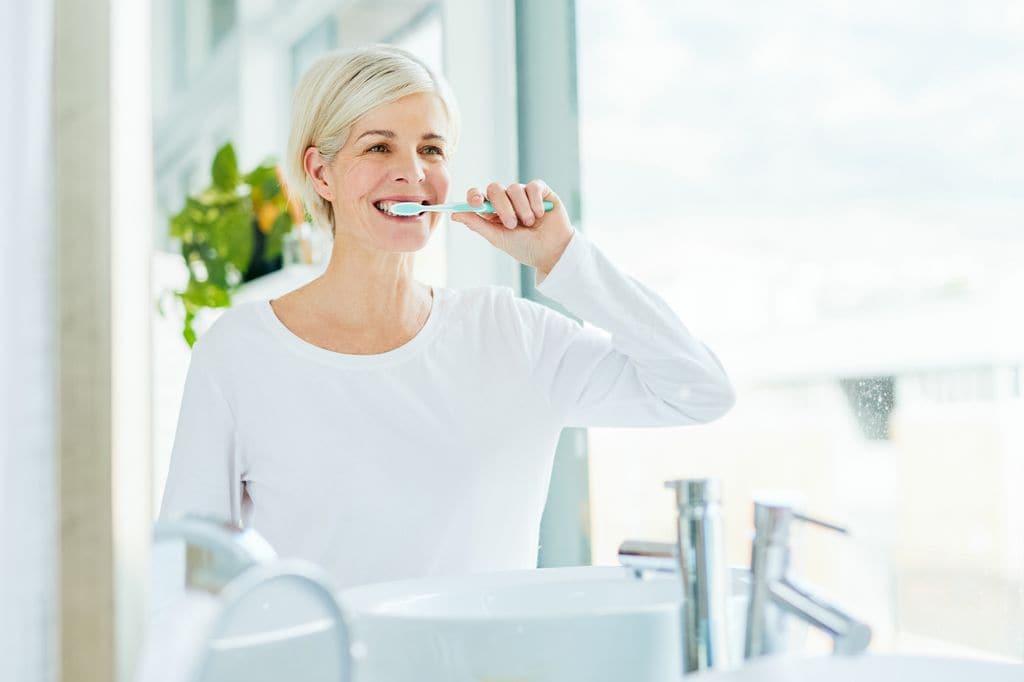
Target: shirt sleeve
x,y
638,365
205,475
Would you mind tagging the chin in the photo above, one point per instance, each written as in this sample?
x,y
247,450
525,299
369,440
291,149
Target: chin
x,y
410,240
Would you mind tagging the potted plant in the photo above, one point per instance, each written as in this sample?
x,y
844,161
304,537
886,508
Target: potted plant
x,y
231,233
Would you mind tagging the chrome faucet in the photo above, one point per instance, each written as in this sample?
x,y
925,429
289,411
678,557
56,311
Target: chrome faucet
x,y
704,571
216,550
774,593
642,556
699,557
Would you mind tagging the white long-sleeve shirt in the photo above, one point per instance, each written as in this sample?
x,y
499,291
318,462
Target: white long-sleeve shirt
x,y
434,457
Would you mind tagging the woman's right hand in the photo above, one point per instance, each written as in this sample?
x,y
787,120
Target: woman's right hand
x,y
519,226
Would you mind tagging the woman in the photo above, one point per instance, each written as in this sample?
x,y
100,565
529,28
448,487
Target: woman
x,y
387,429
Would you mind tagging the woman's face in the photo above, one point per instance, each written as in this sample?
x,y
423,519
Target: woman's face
x,y
396,152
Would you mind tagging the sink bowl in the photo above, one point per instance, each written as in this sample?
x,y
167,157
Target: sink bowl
x,y
560,624
869,668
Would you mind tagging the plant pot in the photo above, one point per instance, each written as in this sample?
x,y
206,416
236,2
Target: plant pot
x,y
259,265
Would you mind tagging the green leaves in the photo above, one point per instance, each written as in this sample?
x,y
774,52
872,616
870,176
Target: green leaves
x,y
216,229
230,234
205,295
199,295
225,169
264,182
282,226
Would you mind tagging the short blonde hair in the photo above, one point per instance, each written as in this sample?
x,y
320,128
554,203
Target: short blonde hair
x,y
338,89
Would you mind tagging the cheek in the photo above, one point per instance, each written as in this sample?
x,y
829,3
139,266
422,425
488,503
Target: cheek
x,y
359,180
440,181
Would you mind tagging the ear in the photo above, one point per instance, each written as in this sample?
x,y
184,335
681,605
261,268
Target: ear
x,y
317,171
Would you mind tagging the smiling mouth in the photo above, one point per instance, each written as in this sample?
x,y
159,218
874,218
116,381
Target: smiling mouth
x,y
385,208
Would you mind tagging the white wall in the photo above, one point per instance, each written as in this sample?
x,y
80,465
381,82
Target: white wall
x,y
28,524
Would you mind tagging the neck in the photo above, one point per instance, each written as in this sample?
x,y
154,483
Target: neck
x,y
372,291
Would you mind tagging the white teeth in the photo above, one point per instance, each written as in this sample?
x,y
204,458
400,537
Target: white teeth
x,y
385,206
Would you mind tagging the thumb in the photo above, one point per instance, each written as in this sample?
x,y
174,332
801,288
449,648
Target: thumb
x,y
491,231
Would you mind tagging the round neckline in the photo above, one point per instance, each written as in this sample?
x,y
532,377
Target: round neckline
x,y
309,350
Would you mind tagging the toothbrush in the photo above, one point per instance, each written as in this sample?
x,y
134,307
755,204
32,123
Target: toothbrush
x,y
412,208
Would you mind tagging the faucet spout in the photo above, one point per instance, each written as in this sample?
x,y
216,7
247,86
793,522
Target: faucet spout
x,y
774,593
849,635
642,556
216,551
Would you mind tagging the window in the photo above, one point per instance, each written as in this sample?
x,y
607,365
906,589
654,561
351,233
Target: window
x,y
198,27
318,40
222,20
829,195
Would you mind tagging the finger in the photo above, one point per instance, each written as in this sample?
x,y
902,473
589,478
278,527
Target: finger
x,y
502,205
556,201
491,231
517,194
474,197
535,193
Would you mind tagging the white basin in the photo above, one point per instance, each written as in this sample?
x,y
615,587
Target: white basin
x,y
869,668
559,624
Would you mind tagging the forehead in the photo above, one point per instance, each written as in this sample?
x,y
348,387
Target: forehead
x,y
415,114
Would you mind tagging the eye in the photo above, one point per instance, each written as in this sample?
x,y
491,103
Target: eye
x,y
433,150
378,147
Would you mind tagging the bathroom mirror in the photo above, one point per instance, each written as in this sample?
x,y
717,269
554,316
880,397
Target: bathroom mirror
x,y
843,183
844,232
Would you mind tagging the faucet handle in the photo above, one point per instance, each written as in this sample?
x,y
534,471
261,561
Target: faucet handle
x,y
818,522
773,515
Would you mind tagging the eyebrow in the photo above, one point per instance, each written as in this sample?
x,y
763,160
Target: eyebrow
x,y
391,135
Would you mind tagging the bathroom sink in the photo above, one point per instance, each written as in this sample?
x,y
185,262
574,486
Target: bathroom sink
x,y
869,668
566,624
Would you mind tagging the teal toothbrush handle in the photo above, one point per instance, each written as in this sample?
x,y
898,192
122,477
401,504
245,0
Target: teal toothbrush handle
x,y
486,208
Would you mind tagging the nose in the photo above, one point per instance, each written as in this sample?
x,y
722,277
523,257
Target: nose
x,y
408,168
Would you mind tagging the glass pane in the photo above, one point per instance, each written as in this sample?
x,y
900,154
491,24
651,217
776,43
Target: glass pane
x,y
829,194
314,43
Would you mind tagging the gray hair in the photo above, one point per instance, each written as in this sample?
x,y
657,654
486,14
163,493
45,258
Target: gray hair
x,y
338,89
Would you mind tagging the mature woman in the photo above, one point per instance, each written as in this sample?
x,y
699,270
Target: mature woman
x,y
384,428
